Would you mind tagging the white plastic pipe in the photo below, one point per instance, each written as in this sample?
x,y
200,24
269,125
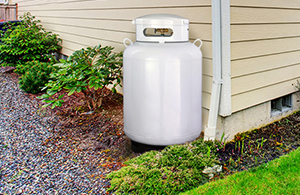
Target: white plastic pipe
x,y
210,129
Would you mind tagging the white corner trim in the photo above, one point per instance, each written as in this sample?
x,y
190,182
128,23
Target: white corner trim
x,y
225,103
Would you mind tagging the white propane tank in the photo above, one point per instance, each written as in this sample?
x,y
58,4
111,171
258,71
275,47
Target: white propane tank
x,y
162,79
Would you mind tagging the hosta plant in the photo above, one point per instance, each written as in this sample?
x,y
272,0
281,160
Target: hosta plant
x,y
88,71
27,41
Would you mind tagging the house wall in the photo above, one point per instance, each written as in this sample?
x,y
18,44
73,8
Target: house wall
x,y
265,62
82,23
265,50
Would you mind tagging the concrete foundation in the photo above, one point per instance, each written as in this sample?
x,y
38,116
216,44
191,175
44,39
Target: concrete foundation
x,y
250,118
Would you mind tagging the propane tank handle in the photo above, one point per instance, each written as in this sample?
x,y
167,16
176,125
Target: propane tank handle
x,y
124,42
197,41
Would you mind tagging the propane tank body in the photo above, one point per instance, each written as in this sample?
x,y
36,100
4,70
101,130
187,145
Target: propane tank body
x,y
162,90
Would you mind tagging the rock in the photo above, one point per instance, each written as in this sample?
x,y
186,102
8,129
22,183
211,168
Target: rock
x,y
211,171
90,144
100,146
86,144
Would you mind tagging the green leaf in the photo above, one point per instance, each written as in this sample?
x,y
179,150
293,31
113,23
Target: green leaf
x,y
53,106
72,91
44,96
78,90
46,105
51,93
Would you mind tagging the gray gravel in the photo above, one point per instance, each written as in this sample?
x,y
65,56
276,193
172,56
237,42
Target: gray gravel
x,y
27,165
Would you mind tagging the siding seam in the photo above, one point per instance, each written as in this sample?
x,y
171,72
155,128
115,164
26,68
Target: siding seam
x,y
266,39
262,23
265,7
261,87
121,8
270,54
86,37
266,70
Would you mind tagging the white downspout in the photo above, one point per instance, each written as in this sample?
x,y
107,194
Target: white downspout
x,y
210,129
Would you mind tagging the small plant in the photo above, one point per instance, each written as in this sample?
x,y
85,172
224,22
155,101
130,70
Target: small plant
x,y
250,149
262,142
34,75
230,161
88,71
208,151
257,148
27,41
222,137
223,141
242,151
270,135
255,160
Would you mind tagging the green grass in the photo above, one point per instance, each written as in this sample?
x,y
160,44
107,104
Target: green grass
x,y
280,176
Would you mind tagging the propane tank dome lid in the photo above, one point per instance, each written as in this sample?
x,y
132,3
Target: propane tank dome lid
x,y
161,19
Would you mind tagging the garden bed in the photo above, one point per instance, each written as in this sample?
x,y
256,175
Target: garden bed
x,y
102,132
262,145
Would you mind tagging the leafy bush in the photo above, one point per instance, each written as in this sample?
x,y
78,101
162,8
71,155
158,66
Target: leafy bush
x,y
27,41
86,71
175,169
35,75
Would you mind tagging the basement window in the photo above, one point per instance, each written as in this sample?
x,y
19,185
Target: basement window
x,y
281,105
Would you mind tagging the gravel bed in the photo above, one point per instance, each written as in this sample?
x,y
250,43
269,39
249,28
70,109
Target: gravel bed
x,y
27,164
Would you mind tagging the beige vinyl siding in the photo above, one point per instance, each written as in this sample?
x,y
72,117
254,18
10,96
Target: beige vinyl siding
x,y
265,50
82,23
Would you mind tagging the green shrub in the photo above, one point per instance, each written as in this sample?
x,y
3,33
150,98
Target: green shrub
x,y
35,75
86,71
27,41
175,169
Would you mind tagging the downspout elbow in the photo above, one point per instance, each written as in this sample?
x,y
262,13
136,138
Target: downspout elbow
x,y
210,129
